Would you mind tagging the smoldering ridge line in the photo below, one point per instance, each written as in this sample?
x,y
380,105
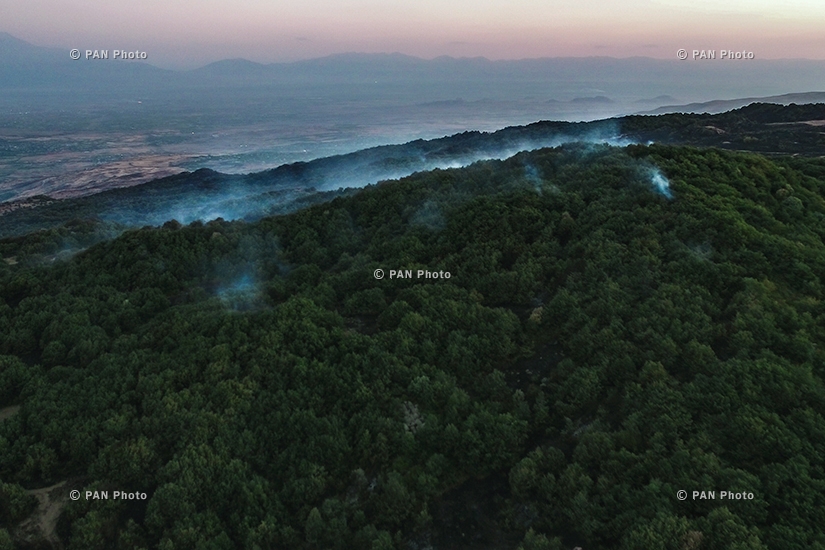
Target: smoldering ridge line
x,y
206,195
244,201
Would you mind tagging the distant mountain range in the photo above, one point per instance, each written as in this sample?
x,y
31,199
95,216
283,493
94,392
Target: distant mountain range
x,y
722,105
25,68
43,91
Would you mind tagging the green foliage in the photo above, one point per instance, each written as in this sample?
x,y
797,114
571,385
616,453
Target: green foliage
x,y
15,504
536,541
6,541
266,391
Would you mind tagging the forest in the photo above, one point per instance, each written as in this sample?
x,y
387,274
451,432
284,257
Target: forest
x,y
603,343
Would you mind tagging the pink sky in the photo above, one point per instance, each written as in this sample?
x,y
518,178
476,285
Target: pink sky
x,y
189,33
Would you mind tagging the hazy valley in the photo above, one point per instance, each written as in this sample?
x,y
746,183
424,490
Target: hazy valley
x,y
70,128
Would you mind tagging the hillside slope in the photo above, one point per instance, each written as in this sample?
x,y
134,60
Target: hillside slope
x,y
619,324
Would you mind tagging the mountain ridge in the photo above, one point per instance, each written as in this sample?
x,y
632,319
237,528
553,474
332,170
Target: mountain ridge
x,y
717,106
207,194
25,65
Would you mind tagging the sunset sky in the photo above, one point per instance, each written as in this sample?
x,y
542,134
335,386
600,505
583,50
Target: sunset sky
x,y
188,33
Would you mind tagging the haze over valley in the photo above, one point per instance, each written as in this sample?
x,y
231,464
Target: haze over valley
x,y
74,127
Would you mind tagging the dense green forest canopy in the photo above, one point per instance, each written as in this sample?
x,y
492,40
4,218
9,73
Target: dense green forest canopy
x,y
599,346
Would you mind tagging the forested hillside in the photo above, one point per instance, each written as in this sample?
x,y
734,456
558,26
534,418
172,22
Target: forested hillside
x,y
205,194
619,324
